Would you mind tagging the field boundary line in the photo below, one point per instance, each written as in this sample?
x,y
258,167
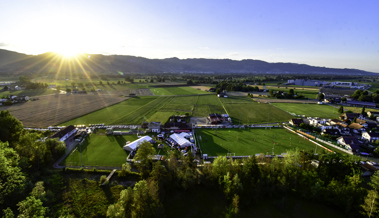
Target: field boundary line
x,y
223,106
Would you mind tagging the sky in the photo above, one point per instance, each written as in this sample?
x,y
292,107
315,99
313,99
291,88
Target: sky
x,y
340,34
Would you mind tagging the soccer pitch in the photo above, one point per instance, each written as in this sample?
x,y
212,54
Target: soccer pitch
x,y
250,141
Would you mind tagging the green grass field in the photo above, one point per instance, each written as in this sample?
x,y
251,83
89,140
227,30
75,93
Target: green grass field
x,y
100,150
309,110
184,90
243,110
151,108
250,141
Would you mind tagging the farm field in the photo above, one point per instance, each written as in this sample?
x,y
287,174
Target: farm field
x,y
306,91
244,110
250,141
100,150
54,109
152,108
184,90
358,109
30,93
309,110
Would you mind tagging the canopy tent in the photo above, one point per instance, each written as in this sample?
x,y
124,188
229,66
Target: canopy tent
x,y
133,145
182,142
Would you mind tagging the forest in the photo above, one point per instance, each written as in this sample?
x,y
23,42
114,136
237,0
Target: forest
x,y
31,187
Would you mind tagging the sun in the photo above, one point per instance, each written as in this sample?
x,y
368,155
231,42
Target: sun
x,y
67,51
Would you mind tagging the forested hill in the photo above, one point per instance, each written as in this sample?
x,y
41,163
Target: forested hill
x,y
11,62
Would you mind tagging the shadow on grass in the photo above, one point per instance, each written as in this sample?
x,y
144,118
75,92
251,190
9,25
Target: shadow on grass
x,y
120,140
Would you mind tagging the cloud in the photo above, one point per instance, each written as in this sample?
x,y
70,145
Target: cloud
x,y
204,48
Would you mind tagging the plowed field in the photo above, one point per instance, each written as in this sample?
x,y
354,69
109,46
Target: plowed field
x,y
55,109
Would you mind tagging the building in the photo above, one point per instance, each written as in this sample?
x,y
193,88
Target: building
x,y
215,118
154,127
373,113
181,140
361,104
350,143
328,98
357,128
333,132
296,122
370,137
351,116
64,133
135,144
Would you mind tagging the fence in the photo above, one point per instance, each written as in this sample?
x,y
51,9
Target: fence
x,y
320,140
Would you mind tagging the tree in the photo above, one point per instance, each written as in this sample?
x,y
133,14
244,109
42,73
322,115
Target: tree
x,y
291,92
354,120
321,97
136,202
218,91
363,110
8,213
32,149
24,80
31,207
38,191
343,99
189,82
340,109
142,158
10,128
100,83
68,90
370,203
271,92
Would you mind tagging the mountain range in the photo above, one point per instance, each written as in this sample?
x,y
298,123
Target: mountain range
x,y
13,62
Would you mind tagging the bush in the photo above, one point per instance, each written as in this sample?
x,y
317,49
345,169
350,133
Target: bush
x,y
125,170
103,178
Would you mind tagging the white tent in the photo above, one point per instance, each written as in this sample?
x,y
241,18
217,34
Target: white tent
x,y
184,135
133,145
180,140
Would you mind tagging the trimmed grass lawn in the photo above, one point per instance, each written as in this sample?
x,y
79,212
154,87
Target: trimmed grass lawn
x,y
243,110
250,141
185,90
100,150
309,110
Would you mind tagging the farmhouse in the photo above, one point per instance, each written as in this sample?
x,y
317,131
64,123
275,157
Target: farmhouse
x,y
64,133
371,137
350,142
154,127
215,118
